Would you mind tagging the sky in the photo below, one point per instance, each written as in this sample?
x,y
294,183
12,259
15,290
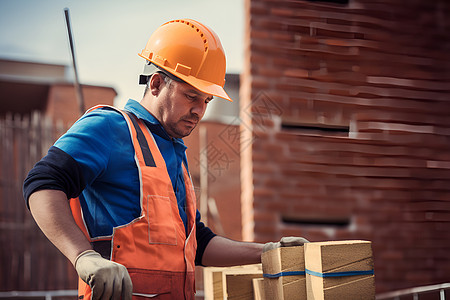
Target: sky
x,y
108,35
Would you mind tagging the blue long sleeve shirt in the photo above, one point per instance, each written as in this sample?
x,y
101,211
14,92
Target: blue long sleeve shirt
x,y
95,161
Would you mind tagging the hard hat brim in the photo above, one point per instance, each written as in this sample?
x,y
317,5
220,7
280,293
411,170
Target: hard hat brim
x,y
206,87
201,85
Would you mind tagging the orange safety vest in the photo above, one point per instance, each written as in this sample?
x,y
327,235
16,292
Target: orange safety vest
x,y
154,247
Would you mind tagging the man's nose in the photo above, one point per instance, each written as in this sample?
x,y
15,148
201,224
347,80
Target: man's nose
x,y
199,108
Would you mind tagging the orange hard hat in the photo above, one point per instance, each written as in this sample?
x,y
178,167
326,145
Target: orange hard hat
x,y
190,51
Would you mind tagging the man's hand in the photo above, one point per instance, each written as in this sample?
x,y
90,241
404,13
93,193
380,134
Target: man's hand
x,y
107,279
289,241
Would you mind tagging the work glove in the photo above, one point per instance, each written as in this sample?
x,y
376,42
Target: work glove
x,y
107,279
289,241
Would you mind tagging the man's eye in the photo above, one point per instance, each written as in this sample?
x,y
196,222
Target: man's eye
x,y
190,97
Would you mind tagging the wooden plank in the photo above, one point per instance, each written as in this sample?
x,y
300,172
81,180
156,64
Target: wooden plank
x,y
240,286
258,289
215,279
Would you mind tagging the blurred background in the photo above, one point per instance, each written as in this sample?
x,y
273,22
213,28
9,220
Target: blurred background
x,y
339,128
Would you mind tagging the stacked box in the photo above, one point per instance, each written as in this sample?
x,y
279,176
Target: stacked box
x,y
339,270
284,273
230,282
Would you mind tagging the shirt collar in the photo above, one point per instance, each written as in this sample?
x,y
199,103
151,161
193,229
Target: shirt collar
x,y
152,123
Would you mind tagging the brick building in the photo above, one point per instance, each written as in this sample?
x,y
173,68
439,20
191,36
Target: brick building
x,y
38,102
48,88
345,130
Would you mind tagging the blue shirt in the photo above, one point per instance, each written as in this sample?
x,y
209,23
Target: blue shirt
x,y
100,143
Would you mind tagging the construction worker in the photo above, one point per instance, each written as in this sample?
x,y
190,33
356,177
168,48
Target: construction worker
x,y
131,227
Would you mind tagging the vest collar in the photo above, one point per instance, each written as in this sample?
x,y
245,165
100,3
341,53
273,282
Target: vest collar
x,y
152,123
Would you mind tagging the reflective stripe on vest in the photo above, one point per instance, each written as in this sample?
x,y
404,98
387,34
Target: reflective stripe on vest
x,y
154,247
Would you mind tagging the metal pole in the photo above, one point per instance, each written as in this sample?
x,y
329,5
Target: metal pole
x,y
72,51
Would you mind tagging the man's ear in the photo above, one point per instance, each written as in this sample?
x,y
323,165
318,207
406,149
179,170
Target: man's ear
x,y
156,83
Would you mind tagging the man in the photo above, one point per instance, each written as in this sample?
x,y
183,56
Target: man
x,y
132,227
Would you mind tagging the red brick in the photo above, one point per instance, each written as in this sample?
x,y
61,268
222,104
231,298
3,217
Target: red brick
x,y
281,12
297,73
257,9
259,34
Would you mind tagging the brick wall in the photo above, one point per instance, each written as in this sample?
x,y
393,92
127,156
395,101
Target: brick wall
x,y
62,103
219,143
346,130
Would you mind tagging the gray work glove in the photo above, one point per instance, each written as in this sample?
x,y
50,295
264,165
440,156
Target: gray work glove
x,y
289,241
107,279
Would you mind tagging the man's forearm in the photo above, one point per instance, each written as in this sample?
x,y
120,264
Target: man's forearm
x,y
51,210
223,252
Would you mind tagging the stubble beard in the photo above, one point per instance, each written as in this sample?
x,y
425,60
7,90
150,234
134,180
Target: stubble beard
x,y
176,132
177,129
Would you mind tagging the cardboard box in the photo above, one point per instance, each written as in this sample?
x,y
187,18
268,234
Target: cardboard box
x,y
339,270
284,273
230,282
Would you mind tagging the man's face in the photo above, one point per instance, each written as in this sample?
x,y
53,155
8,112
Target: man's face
x,y
180,107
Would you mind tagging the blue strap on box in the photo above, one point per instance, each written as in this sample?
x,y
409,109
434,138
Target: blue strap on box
x,y
290,273
339,274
